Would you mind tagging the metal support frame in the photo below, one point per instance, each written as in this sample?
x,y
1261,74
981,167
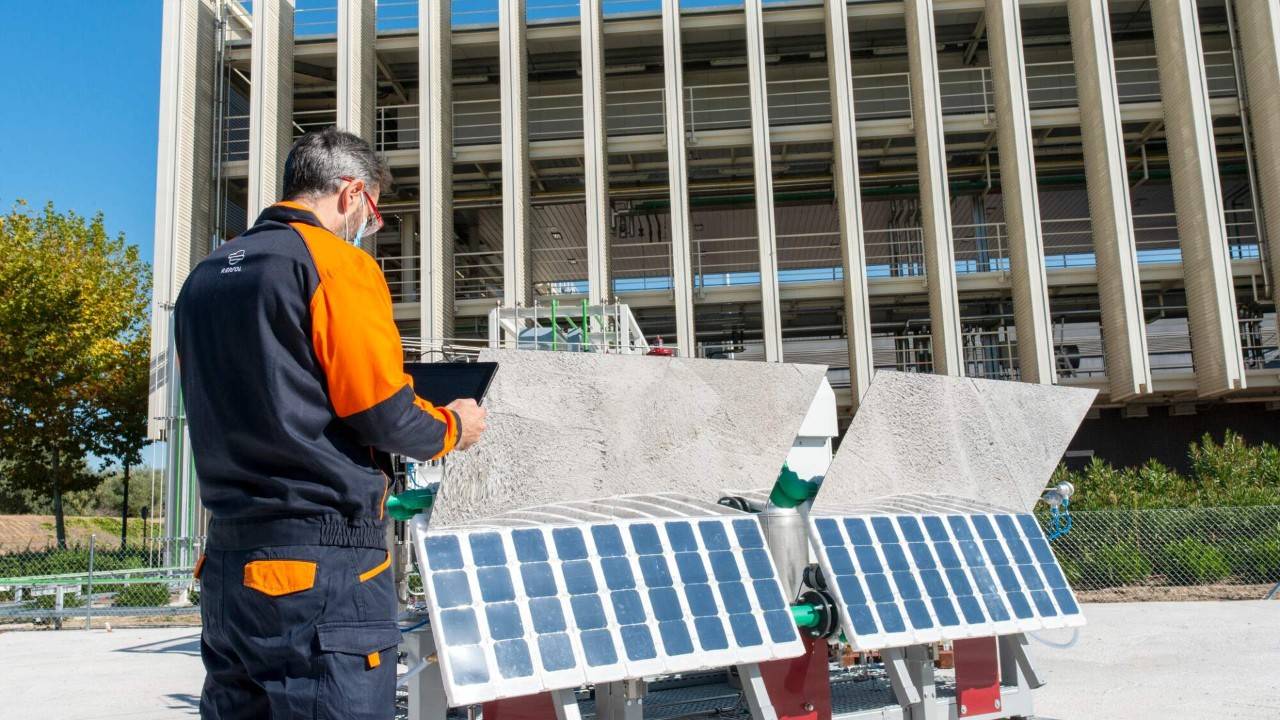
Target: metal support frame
x,y
513,59
756,692
426,689
1197,197
595,155
762,166
1124,333
270,101
1260,45
435,164
847,185
621,700
184,159
678,176
1036,361
565,702
935,196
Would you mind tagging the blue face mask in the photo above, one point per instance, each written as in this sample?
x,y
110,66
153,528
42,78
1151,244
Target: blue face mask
x,y
355,239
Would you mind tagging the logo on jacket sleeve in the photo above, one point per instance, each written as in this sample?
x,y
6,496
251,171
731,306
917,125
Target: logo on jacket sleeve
x,y
233,259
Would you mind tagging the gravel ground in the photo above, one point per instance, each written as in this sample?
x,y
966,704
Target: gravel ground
x,y
1133,660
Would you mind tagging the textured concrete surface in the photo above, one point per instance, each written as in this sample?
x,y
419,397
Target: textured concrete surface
x,y
991,441
583,426
1133,661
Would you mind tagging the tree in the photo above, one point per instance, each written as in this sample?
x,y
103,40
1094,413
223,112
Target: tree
x,y
72,303
122,430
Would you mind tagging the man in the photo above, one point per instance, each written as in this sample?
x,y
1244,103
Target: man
x,y
294,387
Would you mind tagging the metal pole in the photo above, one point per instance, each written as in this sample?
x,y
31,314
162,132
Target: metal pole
x,y
88,596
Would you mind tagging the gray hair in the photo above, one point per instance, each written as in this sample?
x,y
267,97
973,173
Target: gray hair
x,y
319,160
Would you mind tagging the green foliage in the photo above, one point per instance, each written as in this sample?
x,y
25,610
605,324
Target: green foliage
x,y
1256,560
143,595
1231,473
1191,561
73,325
1112,566
65,561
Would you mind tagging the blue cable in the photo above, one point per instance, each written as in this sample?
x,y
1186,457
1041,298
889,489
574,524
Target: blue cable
x,y
1061,520
415,626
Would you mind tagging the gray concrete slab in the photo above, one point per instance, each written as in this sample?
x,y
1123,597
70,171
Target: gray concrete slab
x,y
583,426
987,440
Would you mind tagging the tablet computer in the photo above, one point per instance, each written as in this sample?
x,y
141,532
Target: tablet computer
x,y
443,382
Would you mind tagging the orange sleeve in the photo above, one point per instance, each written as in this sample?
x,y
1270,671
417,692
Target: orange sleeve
x,y
356,340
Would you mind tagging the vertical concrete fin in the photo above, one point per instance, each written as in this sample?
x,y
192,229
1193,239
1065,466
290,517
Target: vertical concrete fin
x,y
762,166
993,441
184,171
1197,197
847,185
1018,189
357,74
435,163
595,153
935,196
677,176
1260,41
513,58
357,68
1124,333
270,101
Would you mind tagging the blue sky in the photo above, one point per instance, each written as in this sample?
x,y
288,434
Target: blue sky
x,y
80,91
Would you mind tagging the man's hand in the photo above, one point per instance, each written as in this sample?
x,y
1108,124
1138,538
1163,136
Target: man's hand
x,y
472,417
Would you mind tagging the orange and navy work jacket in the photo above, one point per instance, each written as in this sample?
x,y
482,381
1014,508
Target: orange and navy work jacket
x,y
293,381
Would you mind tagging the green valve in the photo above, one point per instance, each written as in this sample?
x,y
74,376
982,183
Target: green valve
x,y
789,491
805,615
409,503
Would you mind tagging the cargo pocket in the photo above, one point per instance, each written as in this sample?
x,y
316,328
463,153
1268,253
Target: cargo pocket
x,y
280,577
358,682
374,571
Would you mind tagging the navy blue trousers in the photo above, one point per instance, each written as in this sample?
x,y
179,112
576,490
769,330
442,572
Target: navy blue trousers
x,y
298,631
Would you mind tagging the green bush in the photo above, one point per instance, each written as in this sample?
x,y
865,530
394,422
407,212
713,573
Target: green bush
x,y
1113,566
143,595
1193,561
1230,473
1256,560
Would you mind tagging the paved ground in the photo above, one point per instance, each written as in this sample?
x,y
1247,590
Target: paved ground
x,y
1171,660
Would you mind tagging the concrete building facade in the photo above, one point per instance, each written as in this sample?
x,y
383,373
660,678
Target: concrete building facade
x,y
1054,191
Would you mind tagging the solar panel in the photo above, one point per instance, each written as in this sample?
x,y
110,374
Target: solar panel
x,y
517,611
907,579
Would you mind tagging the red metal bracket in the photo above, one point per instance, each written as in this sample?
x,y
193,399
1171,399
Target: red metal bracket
x,y
529,707
800,688
977,676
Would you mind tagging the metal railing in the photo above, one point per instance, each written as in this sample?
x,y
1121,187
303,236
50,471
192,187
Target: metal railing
x,y
991,354
1077,350
1259,343
727,105
905,353
1169,351
477,274
76,584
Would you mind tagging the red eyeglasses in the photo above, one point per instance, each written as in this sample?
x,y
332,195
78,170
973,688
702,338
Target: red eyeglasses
x,y
375,217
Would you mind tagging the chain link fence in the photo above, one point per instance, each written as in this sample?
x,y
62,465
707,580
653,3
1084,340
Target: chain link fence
x,y
1124,554
56,586
1173,548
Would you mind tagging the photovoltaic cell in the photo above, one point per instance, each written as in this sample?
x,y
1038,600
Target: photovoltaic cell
x,y
906,579
549,608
